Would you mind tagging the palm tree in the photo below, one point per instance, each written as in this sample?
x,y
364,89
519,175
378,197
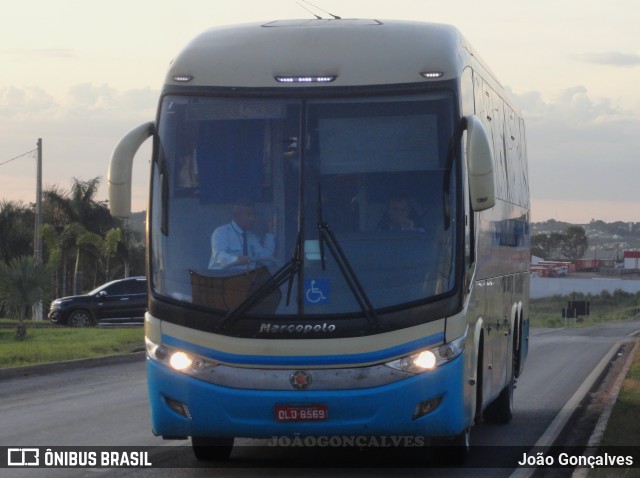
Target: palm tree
x,y
77,217
22,282
16,230
90,243
79,205
109,248
54,245
79,233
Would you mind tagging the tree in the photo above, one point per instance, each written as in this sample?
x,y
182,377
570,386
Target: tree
x,y
79,220
109,247
79,205
546,246
16,230
570,244
22,283
89,242
574,243
78,232
54,244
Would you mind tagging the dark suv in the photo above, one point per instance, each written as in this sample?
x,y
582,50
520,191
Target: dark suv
x,y
118,302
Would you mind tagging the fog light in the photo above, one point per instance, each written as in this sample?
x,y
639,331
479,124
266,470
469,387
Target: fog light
x,y
178,407
425,407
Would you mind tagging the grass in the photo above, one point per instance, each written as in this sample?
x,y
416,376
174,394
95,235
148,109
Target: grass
x,y
54,344
623,428
604,307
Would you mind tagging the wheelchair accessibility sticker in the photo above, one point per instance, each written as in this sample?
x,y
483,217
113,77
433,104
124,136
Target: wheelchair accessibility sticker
x,y
316,291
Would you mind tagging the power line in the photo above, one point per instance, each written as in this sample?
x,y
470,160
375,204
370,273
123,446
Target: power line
x,y
18,157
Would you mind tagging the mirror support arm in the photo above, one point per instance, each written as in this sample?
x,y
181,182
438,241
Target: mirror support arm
x,y
119,176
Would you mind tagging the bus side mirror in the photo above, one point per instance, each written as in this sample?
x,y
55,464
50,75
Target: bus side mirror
x,y
119,176
479,166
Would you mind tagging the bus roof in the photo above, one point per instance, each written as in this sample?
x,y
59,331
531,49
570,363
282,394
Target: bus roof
x,y
340,52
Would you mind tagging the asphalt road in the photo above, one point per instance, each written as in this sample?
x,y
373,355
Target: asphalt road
x,y
107,406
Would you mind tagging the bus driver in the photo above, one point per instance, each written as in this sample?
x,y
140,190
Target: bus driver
x,y
234,244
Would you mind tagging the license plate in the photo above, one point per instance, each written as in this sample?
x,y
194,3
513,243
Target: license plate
x,y
302,413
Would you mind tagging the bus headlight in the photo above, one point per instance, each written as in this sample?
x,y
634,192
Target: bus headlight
x,y
178,360
431,358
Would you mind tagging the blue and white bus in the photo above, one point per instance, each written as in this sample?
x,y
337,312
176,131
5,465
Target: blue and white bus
x,y
384,171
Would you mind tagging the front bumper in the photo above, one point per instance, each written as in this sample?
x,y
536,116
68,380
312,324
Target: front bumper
x,y
386,410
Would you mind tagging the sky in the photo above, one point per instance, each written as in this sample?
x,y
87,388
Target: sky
x,y
81,73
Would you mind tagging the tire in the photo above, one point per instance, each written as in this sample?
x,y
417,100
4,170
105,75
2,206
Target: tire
x,y
479,382
212,448
80,318
453,451
500,411
517,346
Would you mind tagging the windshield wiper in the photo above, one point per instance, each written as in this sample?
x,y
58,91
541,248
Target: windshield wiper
x,y
285,273
327,237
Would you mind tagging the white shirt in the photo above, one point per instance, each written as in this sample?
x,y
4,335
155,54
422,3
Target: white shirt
x,y
226,246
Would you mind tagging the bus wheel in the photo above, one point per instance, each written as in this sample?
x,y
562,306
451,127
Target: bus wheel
x,y
501,409
212,448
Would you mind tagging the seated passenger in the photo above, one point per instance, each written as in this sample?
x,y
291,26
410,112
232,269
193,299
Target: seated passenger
x,y
234,244
400,217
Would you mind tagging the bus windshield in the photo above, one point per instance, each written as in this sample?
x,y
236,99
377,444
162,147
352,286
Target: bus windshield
x,y
303,206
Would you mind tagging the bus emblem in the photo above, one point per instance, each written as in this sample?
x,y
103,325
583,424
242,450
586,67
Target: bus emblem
x,y
300,379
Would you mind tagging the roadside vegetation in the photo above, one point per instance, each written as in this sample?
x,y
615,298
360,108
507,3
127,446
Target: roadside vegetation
x,y
625,411
46,344
80,246
623,429
603,307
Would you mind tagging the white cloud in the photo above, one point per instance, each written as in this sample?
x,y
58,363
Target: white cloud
x,y
23,102
79,129
573,107
41,53
104,101
90,97
82,101
611,58
581,148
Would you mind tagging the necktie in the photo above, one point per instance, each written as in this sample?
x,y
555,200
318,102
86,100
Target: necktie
x,y
245,246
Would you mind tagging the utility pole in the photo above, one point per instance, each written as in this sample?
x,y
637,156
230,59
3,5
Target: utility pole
x,y
37,240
